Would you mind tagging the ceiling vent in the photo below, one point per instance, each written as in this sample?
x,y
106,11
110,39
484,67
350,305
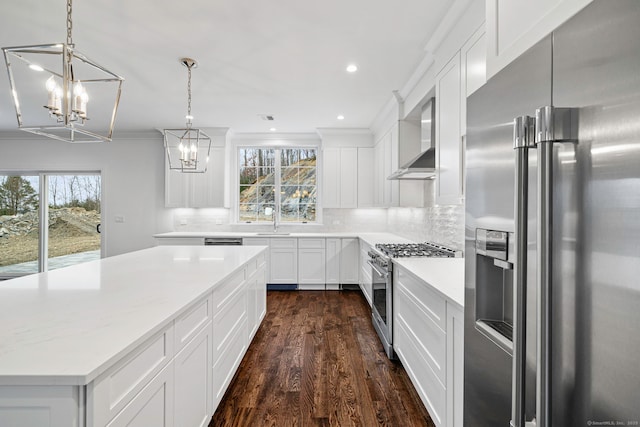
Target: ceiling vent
x,y
267,117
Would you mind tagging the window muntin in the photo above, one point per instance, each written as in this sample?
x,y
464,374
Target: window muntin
x,y
283,177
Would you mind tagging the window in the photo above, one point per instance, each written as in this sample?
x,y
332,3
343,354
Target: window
x,y
70,234
277,181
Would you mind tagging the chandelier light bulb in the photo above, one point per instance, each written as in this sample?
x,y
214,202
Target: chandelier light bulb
x,y
50,84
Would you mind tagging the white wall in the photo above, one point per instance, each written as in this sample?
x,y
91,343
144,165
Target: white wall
x,y
132,180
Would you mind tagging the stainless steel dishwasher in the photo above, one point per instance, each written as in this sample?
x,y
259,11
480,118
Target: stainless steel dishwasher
x,y
223,241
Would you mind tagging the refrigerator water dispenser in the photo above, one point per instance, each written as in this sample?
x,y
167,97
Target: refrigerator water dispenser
x,y
494,288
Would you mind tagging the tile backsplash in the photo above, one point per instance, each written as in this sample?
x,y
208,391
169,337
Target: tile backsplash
x,y
440,224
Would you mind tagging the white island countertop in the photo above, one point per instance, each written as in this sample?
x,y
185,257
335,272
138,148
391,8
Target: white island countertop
x,y
67,326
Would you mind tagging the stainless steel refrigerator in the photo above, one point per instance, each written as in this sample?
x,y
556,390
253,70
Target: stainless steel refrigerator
x,y
552,292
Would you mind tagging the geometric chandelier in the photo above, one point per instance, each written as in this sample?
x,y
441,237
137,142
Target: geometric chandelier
x,y
60,93
188,149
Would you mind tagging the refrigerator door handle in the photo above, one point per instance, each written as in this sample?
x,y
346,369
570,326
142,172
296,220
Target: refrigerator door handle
x,y
523,140
553,125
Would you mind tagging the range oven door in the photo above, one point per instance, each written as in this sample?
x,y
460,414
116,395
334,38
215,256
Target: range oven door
x,y
382,305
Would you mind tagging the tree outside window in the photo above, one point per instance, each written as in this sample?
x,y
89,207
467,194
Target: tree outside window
x,y
277,177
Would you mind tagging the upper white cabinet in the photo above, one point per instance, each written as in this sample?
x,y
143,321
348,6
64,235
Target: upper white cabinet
x,y
448,135
365,177
460,77
340,177
513,26
199,190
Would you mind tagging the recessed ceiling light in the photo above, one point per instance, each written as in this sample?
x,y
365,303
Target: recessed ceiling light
x,y
340,117
35,67
273,129
352,68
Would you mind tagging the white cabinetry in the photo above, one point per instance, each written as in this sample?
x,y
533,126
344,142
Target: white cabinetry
x,y
448,135
366,280
153,406
382,169
513,26
311,264
365,177
193,375
332,265
349,268
51,406
460,77
197,190
340,178
283,260
428,340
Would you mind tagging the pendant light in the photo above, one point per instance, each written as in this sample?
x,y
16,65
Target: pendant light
x,y
188,149
60,93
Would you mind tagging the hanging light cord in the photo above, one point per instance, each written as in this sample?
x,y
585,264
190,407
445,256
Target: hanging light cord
x,y
69,23
189,97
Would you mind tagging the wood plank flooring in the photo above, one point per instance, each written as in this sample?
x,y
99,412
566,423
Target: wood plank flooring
x,y
317,361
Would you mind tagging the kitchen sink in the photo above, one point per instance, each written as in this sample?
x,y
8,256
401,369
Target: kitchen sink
x,y
272,233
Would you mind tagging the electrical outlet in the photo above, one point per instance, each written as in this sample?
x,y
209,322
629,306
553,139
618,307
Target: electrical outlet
x,y
119,218
218,221
336,222
183,221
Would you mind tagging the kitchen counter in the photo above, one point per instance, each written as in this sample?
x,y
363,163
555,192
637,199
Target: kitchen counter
x,y
67,326
445,275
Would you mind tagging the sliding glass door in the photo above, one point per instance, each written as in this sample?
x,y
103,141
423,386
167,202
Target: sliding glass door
x,y
48,221
19,224
73,220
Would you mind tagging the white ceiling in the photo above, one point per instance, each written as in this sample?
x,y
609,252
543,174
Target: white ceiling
x,y
281,57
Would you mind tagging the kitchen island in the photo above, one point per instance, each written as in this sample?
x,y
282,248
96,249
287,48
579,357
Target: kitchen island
x,y
145,337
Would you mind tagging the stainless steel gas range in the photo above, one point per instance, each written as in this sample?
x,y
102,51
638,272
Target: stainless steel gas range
x,y
380,260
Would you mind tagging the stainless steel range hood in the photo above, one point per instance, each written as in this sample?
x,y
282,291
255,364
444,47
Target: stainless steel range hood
x,y
422,166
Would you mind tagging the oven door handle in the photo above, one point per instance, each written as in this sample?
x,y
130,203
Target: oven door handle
x,y
377,269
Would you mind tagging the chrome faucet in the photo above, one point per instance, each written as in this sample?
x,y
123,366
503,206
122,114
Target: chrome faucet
x,y
275,220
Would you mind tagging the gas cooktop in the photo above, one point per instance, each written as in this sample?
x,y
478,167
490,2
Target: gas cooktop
x,y
403,250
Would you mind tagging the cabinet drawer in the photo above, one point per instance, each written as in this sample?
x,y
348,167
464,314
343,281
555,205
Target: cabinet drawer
x,y
311,243
153,406
429,301
225,367
191,322
432,393
429,339
282,243
227,289
226,321
113,390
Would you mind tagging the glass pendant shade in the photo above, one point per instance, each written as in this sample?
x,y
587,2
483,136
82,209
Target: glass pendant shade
x,y
61,94
188,149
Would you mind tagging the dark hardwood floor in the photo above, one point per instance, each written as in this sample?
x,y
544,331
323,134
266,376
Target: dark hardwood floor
x,y
317,361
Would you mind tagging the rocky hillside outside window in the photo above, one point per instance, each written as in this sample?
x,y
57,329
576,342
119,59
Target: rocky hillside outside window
x,y
277,181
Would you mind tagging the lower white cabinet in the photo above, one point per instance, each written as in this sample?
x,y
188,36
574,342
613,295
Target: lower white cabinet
x,y
42,406
332,264
283,254
192,389
153,406
311,264
428,338
366,281
349,269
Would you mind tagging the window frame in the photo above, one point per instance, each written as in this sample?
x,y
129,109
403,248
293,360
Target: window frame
x,y
43,212
277,146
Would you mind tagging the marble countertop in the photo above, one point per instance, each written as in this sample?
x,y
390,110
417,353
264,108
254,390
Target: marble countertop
x,y
67,326
370,238
445,275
